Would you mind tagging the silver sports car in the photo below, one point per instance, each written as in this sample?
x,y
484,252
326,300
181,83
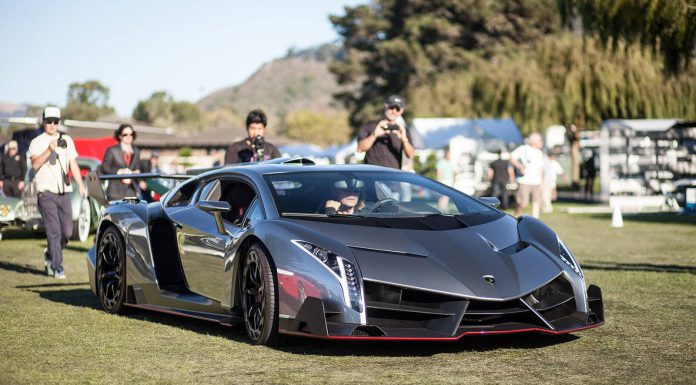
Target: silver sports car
x,y
349,252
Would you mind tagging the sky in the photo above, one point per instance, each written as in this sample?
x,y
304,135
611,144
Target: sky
x,y
187,48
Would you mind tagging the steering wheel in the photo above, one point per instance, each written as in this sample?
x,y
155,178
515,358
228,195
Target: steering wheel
x,y
382,202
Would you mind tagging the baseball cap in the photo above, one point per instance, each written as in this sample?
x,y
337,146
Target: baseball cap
x,y
51,112
12,144
396,100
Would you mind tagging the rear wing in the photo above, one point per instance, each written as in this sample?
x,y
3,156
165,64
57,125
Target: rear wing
x,y
96,191
286,160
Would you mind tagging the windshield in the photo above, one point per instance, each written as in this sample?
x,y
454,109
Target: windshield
x,y
374,194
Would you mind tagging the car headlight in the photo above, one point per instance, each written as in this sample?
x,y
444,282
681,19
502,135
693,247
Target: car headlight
x,y
568,258
345,271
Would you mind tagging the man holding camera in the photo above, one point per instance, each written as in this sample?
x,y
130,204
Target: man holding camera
x,y
52,155
254,148
386,140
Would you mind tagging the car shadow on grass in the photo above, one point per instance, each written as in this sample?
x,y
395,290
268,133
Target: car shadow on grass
x,y
657,268
73,296
84,298
306,346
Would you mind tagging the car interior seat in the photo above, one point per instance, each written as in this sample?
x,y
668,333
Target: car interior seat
x,y
239,196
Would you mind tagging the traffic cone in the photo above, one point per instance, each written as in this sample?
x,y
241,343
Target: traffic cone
x,y
616,218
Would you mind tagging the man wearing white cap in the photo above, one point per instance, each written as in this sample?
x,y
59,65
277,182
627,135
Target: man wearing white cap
x,y
13,167
52,155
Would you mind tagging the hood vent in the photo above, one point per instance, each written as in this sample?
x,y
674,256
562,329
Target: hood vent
x,y
393,252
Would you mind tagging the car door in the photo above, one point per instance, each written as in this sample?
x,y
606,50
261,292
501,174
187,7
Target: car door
x,y
202,248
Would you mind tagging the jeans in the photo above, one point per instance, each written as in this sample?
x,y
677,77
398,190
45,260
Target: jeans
x,y
56,212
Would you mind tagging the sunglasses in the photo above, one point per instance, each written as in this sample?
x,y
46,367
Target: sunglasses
x,y
126,134
52,121
394,107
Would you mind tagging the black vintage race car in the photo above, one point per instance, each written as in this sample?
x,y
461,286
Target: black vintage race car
x,y
350,252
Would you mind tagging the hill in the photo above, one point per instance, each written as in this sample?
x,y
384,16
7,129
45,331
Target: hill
x,y
300,81
9,110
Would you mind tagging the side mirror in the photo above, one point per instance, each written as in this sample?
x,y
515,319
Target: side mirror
x,y
491,201
217,208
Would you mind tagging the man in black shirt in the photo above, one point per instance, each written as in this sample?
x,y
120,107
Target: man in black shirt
x,y
253,148
500,173
386,140
13,167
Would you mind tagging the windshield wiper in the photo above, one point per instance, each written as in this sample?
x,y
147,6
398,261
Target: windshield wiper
x,y
345,216
317,215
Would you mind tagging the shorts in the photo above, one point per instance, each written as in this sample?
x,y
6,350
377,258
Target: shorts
x,y
524,191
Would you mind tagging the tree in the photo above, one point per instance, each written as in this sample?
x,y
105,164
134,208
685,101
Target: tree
x,y
187,116
560,80
427,169
162,110
321,129
87,101
483,58
666,26
393,46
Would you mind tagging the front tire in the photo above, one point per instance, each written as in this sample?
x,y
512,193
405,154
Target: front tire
x,y
111,271
259,297
83,224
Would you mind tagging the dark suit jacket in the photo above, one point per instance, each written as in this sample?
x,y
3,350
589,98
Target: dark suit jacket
x,y
113,161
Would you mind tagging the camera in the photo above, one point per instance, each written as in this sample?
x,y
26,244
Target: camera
x,y
258,143
62,143
390,127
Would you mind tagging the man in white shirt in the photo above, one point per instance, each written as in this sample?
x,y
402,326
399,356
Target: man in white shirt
x,y
52,156
529,159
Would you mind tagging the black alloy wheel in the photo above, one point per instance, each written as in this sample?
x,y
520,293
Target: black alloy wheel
x,y
111,271
258,295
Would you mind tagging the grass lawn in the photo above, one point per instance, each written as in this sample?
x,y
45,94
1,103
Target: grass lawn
x,y
53,331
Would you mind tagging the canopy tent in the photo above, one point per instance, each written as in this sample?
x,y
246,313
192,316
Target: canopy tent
x,y
435,133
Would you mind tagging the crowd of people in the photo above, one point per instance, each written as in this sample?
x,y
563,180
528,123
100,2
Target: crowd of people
x,y
386,141
533,170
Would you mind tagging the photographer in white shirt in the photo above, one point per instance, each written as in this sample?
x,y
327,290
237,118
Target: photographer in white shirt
x,y
52,156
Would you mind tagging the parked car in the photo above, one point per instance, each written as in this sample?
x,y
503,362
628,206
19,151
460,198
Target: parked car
x,y
255,244
679,193
9,206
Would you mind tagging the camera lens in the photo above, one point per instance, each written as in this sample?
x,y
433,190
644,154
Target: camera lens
x,y
258,141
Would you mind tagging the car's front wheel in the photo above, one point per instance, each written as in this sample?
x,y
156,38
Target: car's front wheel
x,y
259,297
111,271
